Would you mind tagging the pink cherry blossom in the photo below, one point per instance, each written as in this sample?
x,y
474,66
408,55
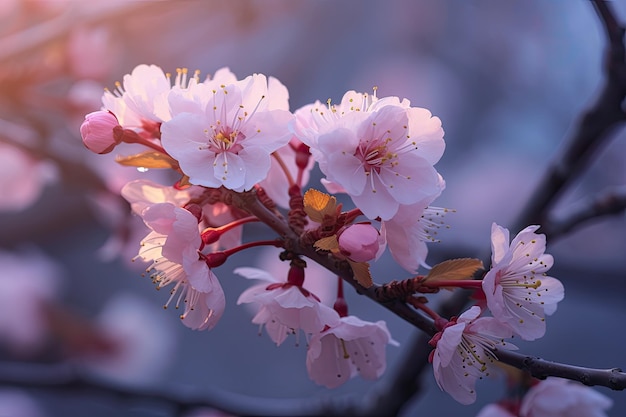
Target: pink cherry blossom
x,y
285,308
381,153
98,132
173,248
556,397
141,99
464,353
494,410
350,347
14,402
361,242
224,134
143,193
22,178
517,289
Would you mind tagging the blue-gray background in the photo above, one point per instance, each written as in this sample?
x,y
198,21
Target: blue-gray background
x,y
508,79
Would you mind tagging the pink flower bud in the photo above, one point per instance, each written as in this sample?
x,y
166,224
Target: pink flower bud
x,y
99,132
360,242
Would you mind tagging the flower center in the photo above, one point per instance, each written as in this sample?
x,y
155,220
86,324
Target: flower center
x,y
375,156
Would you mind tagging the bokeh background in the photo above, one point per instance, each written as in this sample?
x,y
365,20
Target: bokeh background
x,y
509,81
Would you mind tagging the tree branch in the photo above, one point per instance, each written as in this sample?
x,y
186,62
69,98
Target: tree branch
x,y
540,368
612,202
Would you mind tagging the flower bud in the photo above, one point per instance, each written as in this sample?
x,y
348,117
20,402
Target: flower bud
x,y
100,132
359,242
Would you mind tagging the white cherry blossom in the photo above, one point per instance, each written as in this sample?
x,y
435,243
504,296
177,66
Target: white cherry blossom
x,y
464,353
351,347
284,308
517,289
382,154
224,134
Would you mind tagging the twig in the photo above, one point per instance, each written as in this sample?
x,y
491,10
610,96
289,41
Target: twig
x,y
540,368
594,129
612,202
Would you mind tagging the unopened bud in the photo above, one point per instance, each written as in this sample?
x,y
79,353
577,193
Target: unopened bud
x,y
210,236
360,242
215,259
99,132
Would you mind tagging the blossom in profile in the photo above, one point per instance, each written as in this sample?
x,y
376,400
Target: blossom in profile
x,y
350,347
382,154
557,397
143,193
517,288
222,134
464,353
173,248
411,228
285,307
14,402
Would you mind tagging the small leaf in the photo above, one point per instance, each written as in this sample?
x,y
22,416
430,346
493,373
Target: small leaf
x,y
148,159
318,204
453,269
361,271
329,243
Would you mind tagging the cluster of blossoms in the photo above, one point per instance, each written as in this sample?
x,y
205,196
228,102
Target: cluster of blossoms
x,y
518,293
241,156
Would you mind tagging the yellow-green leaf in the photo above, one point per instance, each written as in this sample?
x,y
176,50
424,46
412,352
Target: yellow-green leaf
x,y
361,271
148,159
327,243
318,204
453,269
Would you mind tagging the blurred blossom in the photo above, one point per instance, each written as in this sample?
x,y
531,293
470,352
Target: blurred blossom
x,y
22,178
14,403
494,410
85,96
91,52
29,280
557,397
141,343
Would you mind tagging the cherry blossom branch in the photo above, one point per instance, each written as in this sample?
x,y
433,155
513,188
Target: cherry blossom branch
x,y
612,202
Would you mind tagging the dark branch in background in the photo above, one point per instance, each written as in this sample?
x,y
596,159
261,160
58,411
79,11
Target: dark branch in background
x,y
610,203
594,128
180,400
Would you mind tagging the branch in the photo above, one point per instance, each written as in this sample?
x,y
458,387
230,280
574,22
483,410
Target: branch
x,y
540,368
609,203
593,130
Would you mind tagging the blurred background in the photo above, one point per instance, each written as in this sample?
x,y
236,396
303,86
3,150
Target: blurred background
x,y
508,80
